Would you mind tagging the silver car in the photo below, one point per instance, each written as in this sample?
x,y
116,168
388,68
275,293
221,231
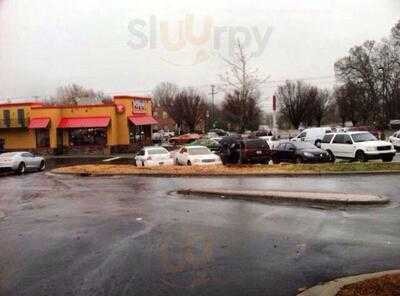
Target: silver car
x,y
20,162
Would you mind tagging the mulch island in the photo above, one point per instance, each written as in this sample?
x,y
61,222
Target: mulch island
x,y
220,170
388,285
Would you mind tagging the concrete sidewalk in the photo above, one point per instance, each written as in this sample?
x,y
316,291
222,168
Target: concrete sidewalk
x,y
291,196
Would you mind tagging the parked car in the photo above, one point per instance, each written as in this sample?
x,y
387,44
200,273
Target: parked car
x,y
377,133
185,139
20,162
299,152
218,132
360,146
272,141
395,140
153,156
211,144
238,150
196,155
313,135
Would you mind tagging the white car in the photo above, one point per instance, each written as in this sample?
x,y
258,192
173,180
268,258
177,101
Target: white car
x,y
395,140
153,156
361,146
313,135
272,141
196,155
20,162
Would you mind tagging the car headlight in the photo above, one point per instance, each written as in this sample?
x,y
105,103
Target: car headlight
x,y
308,154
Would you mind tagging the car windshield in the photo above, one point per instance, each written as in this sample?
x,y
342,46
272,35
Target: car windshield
x,y
157,151
199,151
363,137
304,146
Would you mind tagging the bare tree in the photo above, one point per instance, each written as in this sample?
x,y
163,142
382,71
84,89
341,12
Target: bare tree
x,y
292,104
241,76
241,83
374,68
187,107
164,93
396,32
72,94
322,103
192,106
241,114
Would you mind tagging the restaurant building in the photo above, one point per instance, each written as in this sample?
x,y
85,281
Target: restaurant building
x,y
121,126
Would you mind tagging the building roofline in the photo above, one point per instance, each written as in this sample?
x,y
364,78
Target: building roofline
x,y
131,97
21,104
73,106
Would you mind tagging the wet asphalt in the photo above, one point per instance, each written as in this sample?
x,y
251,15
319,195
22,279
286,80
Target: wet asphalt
x,y
66,235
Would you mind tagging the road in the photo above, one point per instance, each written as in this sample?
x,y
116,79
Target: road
x,y
65,235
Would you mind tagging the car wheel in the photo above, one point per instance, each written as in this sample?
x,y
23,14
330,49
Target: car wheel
x,y
387,158
42,166
189,163
360,156
21,169
331,156
299,160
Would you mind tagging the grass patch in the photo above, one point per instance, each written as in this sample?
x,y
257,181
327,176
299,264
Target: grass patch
x,y
121,169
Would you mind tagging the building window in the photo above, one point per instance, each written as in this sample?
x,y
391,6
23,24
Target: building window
x,y
6,118
88,137
42,138
21,117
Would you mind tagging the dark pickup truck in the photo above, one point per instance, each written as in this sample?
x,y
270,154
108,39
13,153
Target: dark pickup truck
x,y
235,150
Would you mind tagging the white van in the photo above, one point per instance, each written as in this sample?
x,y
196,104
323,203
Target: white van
x,y
313,135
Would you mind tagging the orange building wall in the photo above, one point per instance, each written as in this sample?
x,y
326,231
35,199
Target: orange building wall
x,y
17,138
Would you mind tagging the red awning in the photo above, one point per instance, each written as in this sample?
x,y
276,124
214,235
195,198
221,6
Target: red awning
x,y
36,123
142,119
84,122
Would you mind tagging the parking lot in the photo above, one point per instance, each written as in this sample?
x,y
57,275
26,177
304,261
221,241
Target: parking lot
x,y
65,235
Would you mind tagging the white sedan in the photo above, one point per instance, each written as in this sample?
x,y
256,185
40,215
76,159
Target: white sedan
x,y
20,162
153,156
395,140
196,155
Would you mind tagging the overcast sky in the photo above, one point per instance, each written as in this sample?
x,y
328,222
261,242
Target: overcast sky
x,y
48,43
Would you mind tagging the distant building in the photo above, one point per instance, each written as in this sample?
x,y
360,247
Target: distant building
x,y
122,125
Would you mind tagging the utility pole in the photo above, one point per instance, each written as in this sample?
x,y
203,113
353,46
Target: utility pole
x,y
213,93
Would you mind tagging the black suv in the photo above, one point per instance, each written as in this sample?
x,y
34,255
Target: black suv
x,y
235,150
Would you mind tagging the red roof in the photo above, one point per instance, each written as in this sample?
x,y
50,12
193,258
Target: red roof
x,y
39,123
84,122
142,119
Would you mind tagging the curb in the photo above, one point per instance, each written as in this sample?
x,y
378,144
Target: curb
x,y
291,196
172,175
333,287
